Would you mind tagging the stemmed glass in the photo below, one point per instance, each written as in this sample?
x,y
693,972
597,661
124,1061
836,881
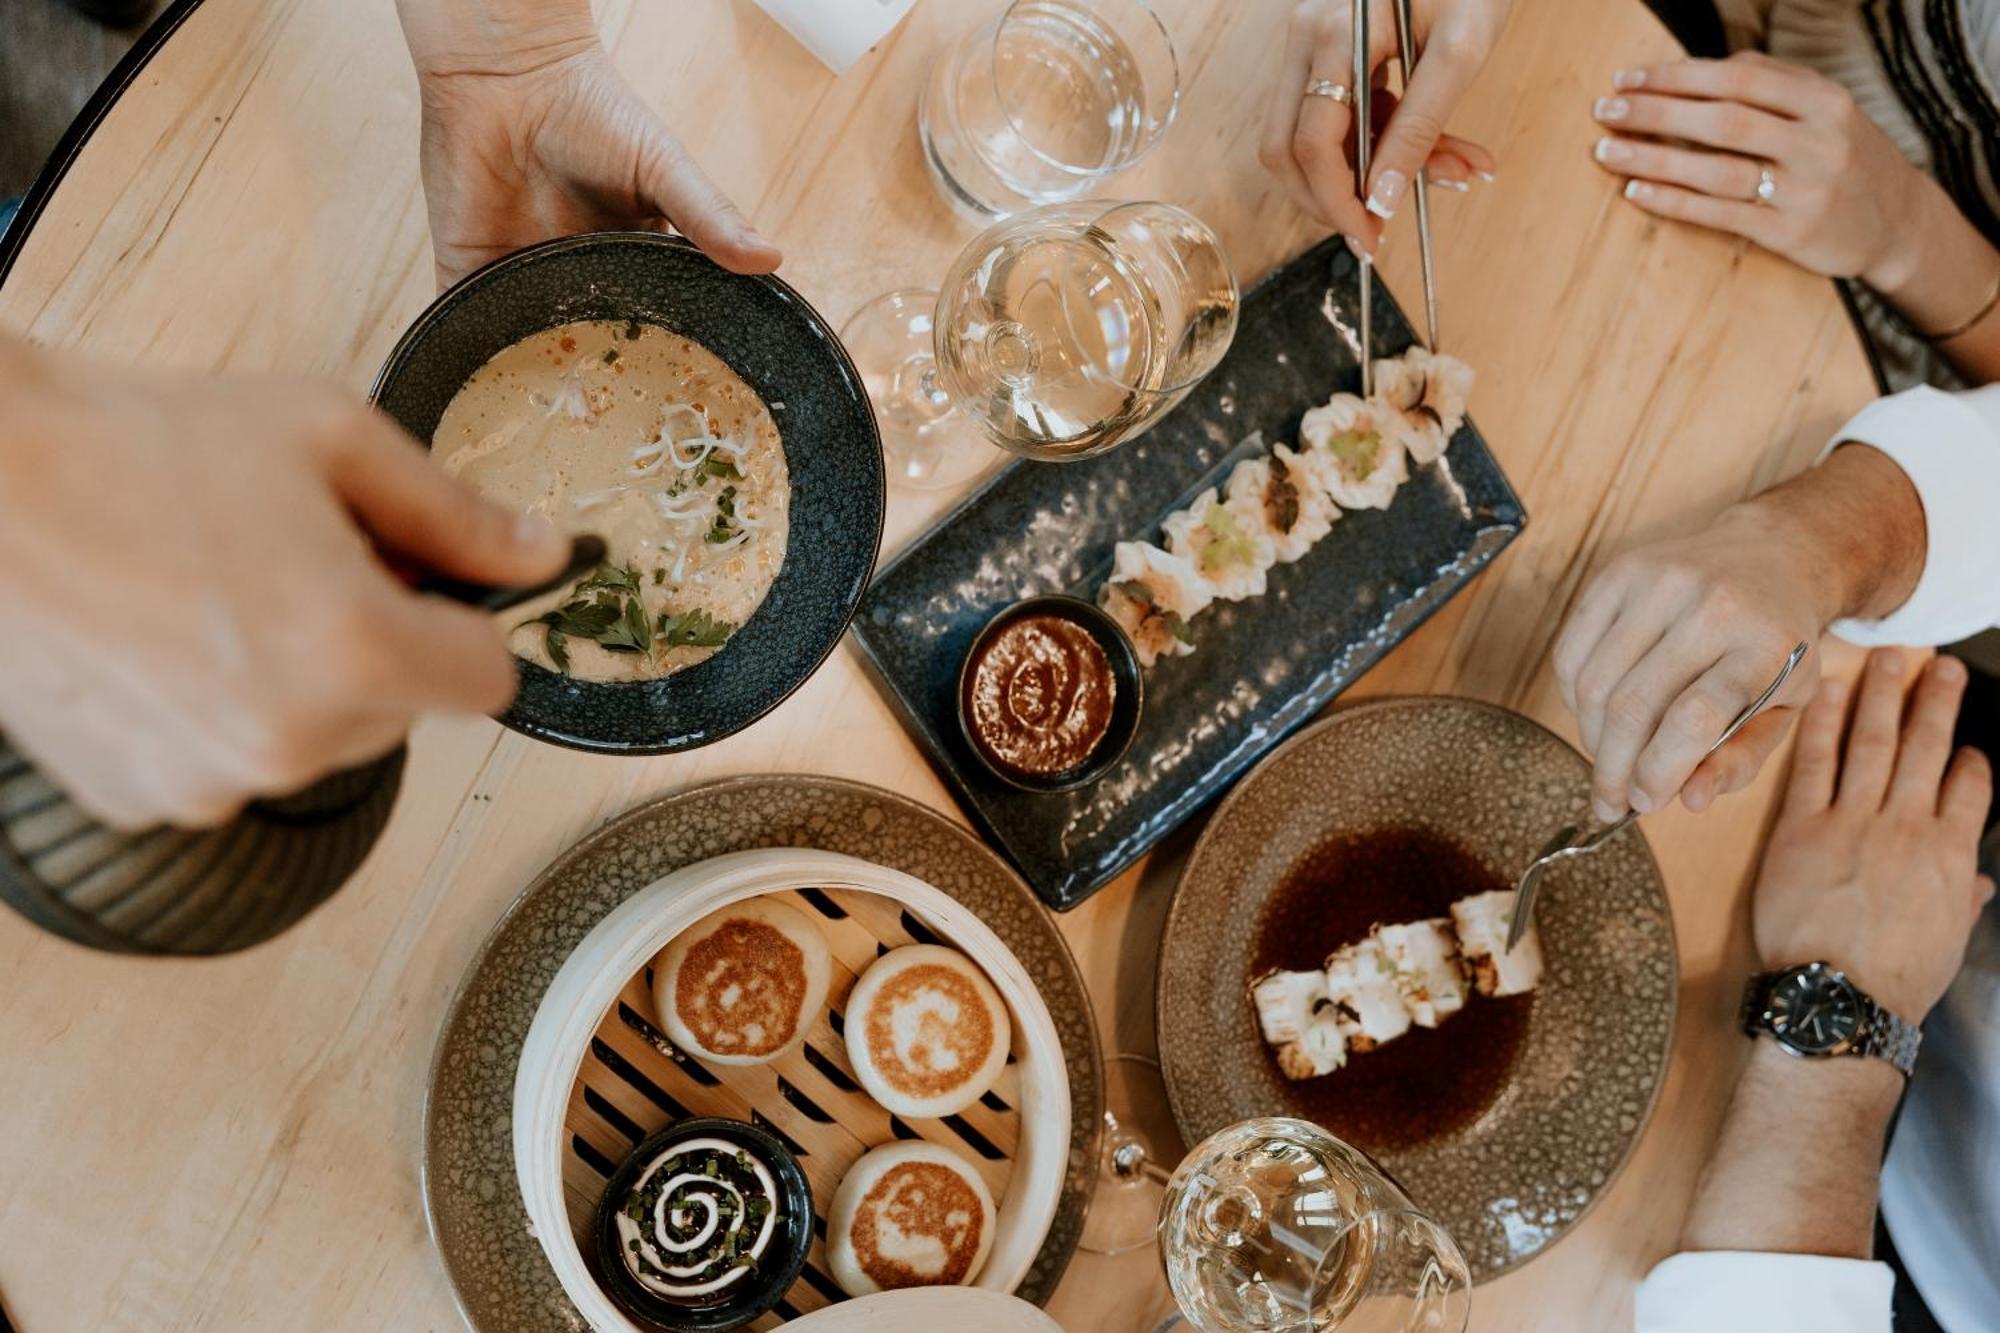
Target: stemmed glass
x,y
1059,333
1269,1226
1045,101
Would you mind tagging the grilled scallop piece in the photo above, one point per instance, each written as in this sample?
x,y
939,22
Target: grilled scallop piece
x,y
1483,921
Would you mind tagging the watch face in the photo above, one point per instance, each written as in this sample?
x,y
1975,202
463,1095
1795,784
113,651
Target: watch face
x,y
1815,1011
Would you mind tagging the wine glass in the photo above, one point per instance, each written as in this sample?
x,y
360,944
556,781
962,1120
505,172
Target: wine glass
x,y
1059,333
1046,100
1276,1226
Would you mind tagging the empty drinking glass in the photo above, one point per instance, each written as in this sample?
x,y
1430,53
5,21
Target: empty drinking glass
x,y
1059,333
1045,101
1275,1226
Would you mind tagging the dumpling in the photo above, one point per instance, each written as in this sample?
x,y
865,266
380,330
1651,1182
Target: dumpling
x,y
1361,982
1429,390
1283,497
1428,972
1153,595
1232,555
1360,449
927,1033
742,985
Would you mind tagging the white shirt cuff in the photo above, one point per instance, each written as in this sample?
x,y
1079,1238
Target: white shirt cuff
x,y
1949,447
1739,1291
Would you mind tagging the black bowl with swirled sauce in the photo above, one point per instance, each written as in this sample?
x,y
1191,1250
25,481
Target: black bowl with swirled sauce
x,y
704,1227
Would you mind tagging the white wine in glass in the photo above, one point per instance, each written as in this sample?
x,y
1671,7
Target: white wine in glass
x,y
1059,333
1275,1226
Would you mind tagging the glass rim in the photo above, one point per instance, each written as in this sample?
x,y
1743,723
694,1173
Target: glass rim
x,y
1111,206
1153,140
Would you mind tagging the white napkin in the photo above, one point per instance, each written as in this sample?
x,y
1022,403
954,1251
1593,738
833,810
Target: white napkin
x,y
838,32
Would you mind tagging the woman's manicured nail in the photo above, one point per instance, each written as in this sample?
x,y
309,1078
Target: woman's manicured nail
x,y
1610,108
1388,192
1356,249
1609,150
1486,176
1448,183
1638,190
1641,802
1625,80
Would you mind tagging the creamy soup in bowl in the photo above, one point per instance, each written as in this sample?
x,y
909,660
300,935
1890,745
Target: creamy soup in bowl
x,y
708,425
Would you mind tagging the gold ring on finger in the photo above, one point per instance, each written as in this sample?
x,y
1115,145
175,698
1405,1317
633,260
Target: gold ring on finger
x,y
1767,185
1328,88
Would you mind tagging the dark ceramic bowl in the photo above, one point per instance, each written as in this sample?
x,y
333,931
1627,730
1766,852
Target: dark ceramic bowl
x,y
767,334
1128,701
776,1271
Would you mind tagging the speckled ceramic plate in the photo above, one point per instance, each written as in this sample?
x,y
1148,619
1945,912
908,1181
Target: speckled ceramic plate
x,y
767,334
1529,1151
1265,666
498,1273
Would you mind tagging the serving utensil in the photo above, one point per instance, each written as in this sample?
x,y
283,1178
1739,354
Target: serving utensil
x,y
1567,843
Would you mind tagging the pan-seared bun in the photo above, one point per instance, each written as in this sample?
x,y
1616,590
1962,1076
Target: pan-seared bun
x,y
908,1215
742,985
926,1031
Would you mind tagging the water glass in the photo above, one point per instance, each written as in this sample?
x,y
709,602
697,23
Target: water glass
x,y
1045,101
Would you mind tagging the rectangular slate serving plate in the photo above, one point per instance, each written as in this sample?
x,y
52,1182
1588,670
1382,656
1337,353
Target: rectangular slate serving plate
x,y
1262,667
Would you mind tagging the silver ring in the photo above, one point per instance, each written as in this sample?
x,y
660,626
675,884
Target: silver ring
x,y
1767,185
1328,88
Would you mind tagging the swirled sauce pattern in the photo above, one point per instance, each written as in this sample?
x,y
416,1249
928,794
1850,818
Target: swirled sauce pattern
x,y
695,1223
1039,696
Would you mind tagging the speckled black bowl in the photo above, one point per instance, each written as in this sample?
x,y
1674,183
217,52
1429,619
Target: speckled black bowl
x,y
767,334
783,1260
1128,700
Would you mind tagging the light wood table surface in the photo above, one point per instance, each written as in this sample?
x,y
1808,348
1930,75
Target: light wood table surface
x,y
233,1144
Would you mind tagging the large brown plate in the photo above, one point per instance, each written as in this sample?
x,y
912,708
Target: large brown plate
x,y
501,1279
1583,1081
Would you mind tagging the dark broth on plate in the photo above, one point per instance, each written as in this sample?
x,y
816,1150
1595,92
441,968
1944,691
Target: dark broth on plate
x,y
1429,1081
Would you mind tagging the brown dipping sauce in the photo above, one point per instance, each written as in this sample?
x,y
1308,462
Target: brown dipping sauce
x,y
1429,1081
1038,696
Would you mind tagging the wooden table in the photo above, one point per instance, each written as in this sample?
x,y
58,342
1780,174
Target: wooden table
x,y
233,1144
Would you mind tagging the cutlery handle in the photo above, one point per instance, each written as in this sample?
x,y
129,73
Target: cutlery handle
x,y
585,554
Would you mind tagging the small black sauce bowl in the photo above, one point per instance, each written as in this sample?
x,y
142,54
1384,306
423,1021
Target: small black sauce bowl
x,y
1128,700
776,1272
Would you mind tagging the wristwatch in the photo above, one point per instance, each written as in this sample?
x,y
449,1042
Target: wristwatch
x,y
1814,1011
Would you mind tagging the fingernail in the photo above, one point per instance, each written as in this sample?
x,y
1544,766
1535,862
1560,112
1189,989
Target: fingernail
x,y
1892,664
1606,812
1356,249
1609,150
1444,183
1625,80
1640,801
533,529
1486,176
1948,668
1610,108
1388,192
1695,796
1637,190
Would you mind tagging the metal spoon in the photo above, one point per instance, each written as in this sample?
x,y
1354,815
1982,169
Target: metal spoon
x,y
1567,844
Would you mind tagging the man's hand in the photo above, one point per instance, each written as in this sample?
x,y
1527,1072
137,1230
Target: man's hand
x,y
196,612
1873,863
1669,642
529,133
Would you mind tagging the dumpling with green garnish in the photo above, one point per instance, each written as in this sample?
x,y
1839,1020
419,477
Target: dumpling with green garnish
x,y
1153,596
1281,497
1358,451
1231,554
1428,390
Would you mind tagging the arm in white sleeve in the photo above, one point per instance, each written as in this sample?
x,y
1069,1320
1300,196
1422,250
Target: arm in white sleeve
x,y
1736,1291
1949,447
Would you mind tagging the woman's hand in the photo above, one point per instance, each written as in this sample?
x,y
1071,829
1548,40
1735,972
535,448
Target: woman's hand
x,y
1692,136
1307,140
196,610
529,132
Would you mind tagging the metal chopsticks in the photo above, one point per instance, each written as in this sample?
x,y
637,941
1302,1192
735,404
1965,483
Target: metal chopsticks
x,y
1406,52
1363,137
